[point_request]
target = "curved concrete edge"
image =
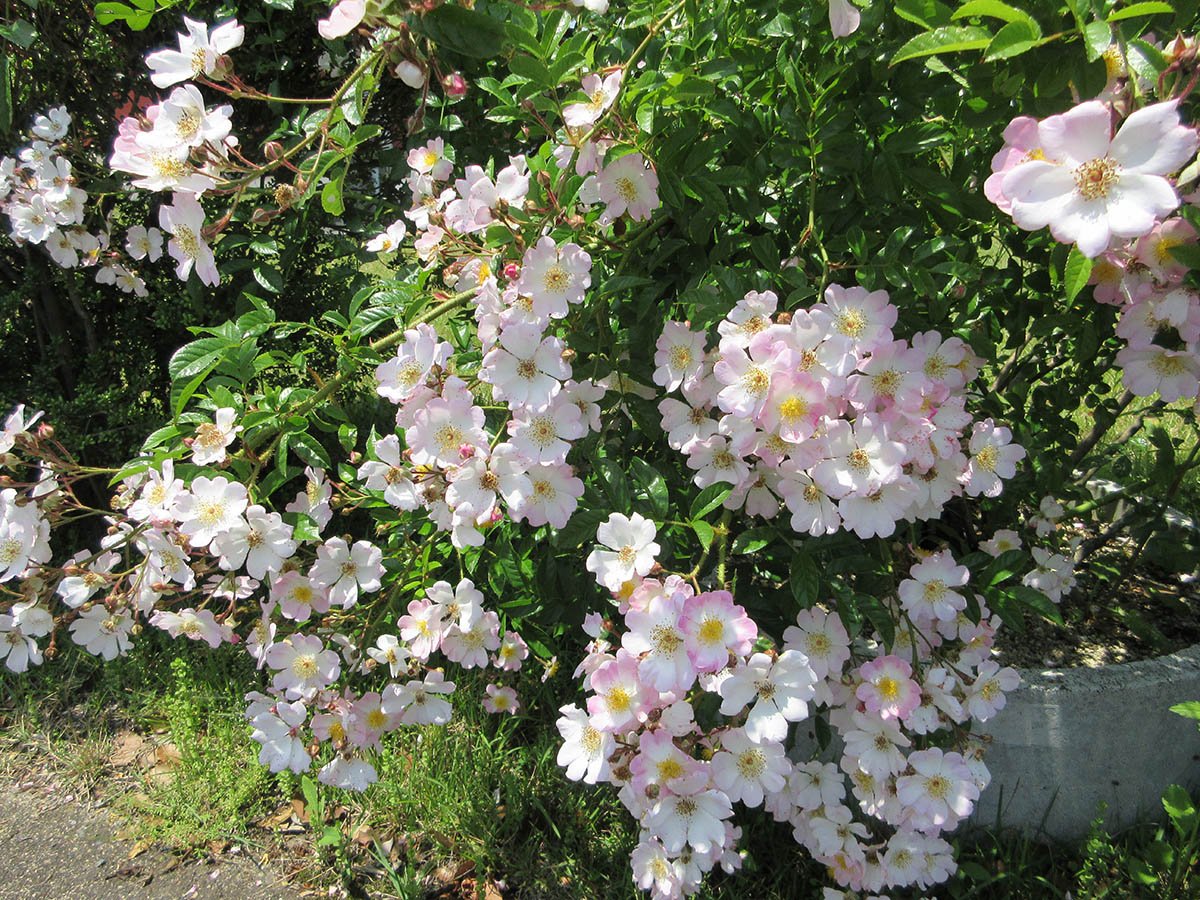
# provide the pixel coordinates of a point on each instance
(1069, 740)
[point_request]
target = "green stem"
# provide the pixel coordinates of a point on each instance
(368, 62)
(722, 536)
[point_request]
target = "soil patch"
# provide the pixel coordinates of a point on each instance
(1147, 614)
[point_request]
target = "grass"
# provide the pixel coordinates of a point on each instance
(460, 810)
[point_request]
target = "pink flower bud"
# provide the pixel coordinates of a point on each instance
(455, 85)
(512, 271)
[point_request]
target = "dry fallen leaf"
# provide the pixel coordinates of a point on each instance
(138, 849)
(127, 747)
(491, 892)
(281, 816)
(365, 835)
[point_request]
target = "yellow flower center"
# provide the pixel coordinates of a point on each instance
(1096, 177)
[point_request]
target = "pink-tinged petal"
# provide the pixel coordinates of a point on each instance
(343, 19)
(1077, 135)
(1084, 223)
(1137, 202)
(1152, 141)
(1039, 193)
(844, 18)
(1022, 133)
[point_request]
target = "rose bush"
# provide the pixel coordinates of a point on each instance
(692, 330)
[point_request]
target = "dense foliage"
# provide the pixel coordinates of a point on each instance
(457, 330)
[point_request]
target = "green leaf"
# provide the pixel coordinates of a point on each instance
(652, 486)
(948, 39)
(19, 32)
(1149, 8)
(804, 580)
(878, 615)
(331, 196)
(269, 277)
(580, 528)
(533, 69)
(160, 436)
(466, 31)
(1140, 871)
(1097, 38)
(1178, 804)
(1164, 455)
(1188, 254)
(992, 9)
(5, 94)
(752, 540)
(1012, 40)
(1189, 709)
(1036, 601)
(926, 13)
(709, 499)
(705, 533)
(1076, 273)
(196, 355)
(615, 485)
(309, 450)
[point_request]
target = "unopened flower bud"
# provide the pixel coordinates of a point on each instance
(455, 85)
(511, 271)
(272, 149)
(410, 73)
(45, 431)
(222, 69)
(466, 451)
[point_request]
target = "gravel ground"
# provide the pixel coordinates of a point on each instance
(54, 847)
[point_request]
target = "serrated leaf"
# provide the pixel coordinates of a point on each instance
(708, 500)
(309, 451)
(1076, 273)
(947, 39)
(1149, 8)
(992, 9)
(1012, 40)
(1097, 37)
(269, 277)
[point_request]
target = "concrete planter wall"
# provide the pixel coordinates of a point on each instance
(1071, 739)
